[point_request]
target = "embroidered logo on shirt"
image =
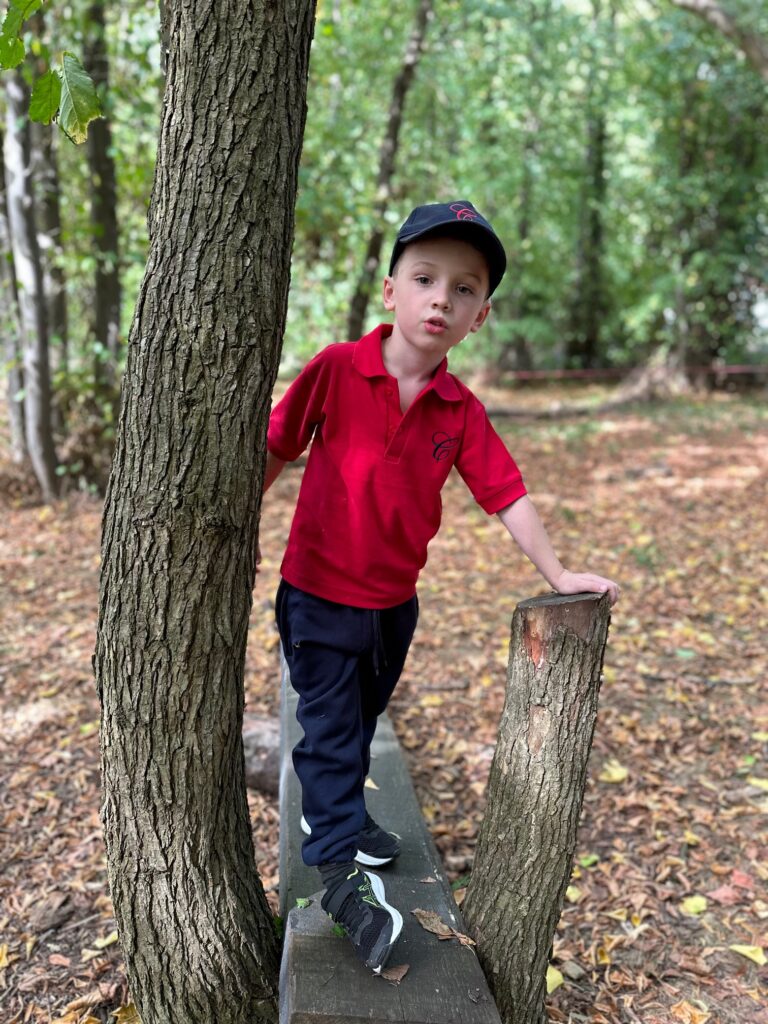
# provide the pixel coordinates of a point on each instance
(442, 445)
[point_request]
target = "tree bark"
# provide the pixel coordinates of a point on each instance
(387, 159)
(106, 314)
(753, 45)
(29, 275)
(535, 793)
(9, 325)
(182, 509)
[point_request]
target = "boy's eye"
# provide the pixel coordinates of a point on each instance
(422, 279)
(464, 289)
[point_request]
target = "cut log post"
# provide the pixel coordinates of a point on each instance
(535, 792)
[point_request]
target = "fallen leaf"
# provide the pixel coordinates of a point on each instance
(753, 953)
(127, 1015)
(694, 905)
(726, 895)
(554, 979)
(432, 922)
(370, 784)
(395, 974)
(58, 960)
(742, 880)
(109, 940)
(613, 771)
(688, 1014)
(753, 780)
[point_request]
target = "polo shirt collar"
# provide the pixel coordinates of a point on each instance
(367, 361)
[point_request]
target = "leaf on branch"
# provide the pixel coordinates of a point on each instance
(12, 49)
(45, 99)
(79, 101)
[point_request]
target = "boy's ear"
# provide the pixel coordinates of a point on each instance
(481, 317)
(389, 293)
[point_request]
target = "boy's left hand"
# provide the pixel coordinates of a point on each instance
(586, 582)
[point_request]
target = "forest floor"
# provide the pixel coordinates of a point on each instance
(667, 916)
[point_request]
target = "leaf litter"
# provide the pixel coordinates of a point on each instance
(667, 499)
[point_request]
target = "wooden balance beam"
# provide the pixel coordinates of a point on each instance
(321, 979)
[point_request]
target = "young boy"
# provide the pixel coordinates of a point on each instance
(387, 422)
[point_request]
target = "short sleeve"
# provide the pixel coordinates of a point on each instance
(485, 464)
(301, 409)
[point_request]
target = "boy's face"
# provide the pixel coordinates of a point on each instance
(438, 293)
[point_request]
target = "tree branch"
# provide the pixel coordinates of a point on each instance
(753, 45)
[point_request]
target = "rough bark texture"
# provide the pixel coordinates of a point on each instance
(387, 157)
(182, 510)
(29, 275)
(106, 314)
(535, 792)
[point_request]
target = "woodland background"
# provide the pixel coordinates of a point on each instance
(620, 151)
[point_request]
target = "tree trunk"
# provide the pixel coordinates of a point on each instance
(105, 327)
(535, 792)
(29, 275)
(49, 235)
(182, 509)
(387, 158)
(753, 45)
(589, 300)
(11, 331)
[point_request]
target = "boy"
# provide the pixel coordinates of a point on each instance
(387, 422)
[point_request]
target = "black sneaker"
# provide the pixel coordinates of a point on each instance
(359, 906)
(375, 847)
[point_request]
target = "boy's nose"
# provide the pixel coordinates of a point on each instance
(441, 298)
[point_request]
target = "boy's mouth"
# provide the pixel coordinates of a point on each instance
(435, 325)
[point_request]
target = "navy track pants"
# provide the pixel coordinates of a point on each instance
(344, 664)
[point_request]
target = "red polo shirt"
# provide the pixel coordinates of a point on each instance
(370, 498)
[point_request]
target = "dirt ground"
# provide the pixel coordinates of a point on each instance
(667, 915)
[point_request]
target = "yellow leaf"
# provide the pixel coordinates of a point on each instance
(88, 954)
(761, 737)
(613, 771)
(108, 941)
(617, 915)
(554, 979)
(691, 838)
(694, 905)
(754, 953)
(4, 955)
(370, 784)
(760, 783)
(127, 1015)
(573, 894)
(609, 674)
(688, 1014)
(602, 956)
(431, 700)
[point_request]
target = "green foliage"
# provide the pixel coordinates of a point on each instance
(79, 102)
(45, 99)
(12, 49)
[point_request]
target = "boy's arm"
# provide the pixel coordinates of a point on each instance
(522, 522)
(272, 471)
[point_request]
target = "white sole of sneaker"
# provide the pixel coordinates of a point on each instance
(397, 918)
(362, 858)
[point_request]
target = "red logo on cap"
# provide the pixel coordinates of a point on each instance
(463, 212)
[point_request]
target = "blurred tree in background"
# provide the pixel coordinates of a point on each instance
(620, 149)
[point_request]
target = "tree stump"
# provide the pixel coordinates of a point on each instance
(535, 792)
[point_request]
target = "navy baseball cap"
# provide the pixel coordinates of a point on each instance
(460, 220)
